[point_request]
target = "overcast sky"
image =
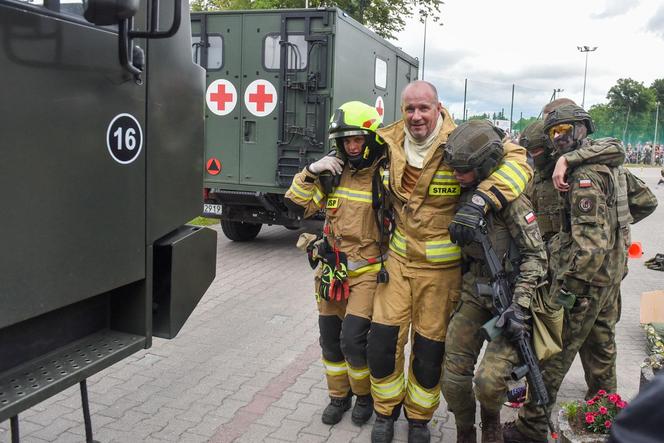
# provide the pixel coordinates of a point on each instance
(533, 44)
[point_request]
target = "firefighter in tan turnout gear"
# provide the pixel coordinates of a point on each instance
(474, 150)
(424, 264)
(349, 254)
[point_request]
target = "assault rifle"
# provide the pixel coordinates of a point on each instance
(501, 293)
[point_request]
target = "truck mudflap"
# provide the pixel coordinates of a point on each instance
(184, 265)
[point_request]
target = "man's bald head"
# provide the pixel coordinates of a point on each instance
(420, 87)
(553, 105)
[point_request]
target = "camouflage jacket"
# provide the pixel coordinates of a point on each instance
(592, 241)
(546, 199)
(514, 234)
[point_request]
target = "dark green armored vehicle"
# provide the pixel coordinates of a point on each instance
(102, 144)
(273, 79)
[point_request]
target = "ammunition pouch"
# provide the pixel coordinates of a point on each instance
(566, 299)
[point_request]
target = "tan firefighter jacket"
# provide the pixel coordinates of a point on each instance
(420, 238)
(348, 213)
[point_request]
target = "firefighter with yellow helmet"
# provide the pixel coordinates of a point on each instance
(349, 256)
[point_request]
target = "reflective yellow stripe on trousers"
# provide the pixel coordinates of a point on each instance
(421, 397)
(389, 389)
(364, 269)
(332, 368)
(441, 251)
(512, 175)
(358, 374)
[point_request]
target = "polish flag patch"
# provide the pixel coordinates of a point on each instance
(530, 217)
(585, 183)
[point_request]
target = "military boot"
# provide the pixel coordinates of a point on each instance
(418, 432)
(383, 429)
(335, 410)
(362, 410)
(491, 430)
(511, 434)
(466, 434)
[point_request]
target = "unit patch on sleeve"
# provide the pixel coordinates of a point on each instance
(530, 217)
(585, 183)
(586, 205)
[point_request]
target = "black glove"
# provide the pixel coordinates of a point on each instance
(515, 321)
(466, 221)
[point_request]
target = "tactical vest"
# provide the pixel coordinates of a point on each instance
(501, 240)
(546, 203)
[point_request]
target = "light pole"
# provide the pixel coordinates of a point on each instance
(424, 45)
(585, 49)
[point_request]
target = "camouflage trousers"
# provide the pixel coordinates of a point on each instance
(596, 309)
(598, 353)
(463, 346)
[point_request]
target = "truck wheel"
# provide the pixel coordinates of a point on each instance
(240, 231)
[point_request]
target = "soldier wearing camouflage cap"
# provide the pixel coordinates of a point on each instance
(591, 263)
(474, 150)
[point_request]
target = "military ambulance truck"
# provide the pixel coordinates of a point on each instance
(273, 79)
(101, 133)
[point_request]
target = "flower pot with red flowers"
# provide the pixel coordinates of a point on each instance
(589, 421)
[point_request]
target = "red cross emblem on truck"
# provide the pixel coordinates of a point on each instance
(221, 97)
(379, 105)
(260, 97)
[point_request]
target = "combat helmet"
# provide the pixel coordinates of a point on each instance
(357, 118)
(533, 137)
(563, 118)
(475, 145)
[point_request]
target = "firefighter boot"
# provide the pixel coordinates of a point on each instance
(491, 430)
(511, 434)
(335, 410)
(362, 410)
(383, 429)
(466, 434)
(418, 432)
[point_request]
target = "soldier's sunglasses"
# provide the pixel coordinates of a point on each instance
(561, 129)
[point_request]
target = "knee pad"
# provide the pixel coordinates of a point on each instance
(330, 331)
(382, 349)
(354, 332)
(427, 360)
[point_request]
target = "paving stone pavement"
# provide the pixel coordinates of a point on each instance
(246, 366)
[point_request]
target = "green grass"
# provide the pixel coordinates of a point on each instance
(203, 221)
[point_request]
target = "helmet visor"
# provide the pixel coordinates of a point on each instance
(348, 133)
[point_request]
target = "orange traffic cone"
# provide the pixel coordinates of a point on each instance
(635, 250)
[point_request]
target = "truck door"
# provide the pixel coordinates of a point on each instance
(259, 95)
(222, 36)
(75, 125)
(406, 73)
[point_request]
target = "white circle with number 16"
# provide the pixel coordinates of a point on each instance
(124, 138)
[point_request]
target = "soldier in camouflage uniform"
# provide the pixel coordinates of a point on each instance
(591, 261)
(473, 150)
(598, 354)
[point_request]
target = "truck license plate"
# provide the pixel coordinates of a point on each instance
(211, 209)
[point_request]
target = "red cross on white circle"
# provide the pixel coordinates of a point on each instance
(260, 97)
(379, 106)
(221, 97)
